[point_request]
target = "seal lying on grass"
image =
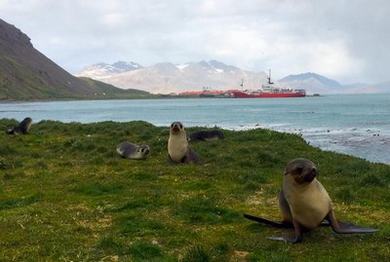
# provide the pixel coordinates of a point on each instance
(132, 151)
(22, 128)
(206, 135)
(304, 204)
(178, 149)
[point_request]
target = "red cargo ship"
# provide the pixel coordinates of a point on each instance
(268, 91)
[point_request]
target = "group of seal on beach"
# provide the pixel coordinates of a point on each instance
(304, 202)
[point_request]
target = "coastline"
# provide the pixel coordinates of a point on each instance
(166, 96)
(357, 125)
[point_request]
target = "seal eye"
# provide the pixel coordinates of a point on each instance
(299, 170)
(172, 125)
(181, 126)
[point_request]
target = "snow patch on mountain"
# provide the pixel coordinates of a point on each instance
(182, 66)
(103, 70)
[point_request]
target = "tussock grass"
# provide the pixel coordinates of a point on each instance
(65, 194)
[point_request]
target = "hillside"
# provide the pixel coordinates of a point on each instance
(66, 195)
(26, 74)
(168, 77)
(313, 83)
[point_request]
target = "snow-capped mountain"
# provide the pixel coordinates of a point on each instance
(103, 70)
(166, 78)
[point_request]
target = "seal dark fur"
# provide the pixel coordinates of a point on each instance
(22, 128)
(206, 135)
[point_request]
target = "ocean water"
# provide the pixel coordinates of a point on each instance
(353, 124)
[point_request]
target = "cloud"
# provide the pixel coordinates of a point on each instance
(346, 40)
(113, 19)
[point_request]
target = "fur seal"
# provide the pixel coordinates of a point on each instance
(132, 151)
(22, 128)
(178, 149)
(206, 135)
(305, 204)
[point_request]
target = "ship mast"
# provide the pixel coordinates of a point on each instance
(269, 77)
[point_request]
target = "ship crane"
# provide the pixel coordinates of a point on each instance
(269, 77)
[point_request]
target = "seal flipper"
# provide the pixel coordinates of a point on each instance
(298, 235)
(347, 228)
(268, 222)
(282, 224)
(190, 157)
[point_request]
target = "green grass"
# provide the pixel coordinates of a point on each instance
(66, 195)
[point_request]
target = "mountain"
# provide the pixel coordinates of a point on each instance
(104, 70)
(25, 73)
(312, 83)
(383, 87)
(315, 83)
(168, 77)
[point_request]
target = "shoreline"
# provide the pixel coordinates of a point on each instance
(357, 125)
(168, 97)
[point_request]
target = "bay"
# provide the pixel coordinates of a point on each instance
(358, 125)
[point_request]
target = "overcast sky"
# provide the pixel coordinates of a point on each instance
(345, 40)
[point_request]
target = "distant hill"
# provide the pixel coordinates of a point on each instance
(382, 87)
(25, 74)
(168, 77)
(313, 83)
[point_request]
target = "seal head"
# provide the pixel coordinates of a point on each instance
(302, 170)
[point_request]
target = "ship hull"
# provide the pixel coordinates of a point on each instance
(267, 95)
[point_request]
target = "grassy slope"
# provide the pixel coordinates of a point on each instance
(114, 92)
(18, 82)
(65, 194)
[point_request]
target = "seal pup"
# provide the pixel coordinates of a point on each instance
(305, 203)
(206, 135)
(22, 128)
(178, 149)
(132, 151)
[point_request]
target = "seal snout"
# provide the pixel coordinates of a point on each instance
(310, 175)
(176, 127)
